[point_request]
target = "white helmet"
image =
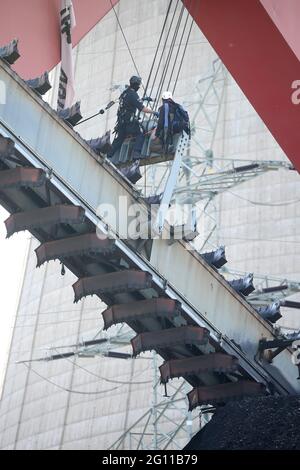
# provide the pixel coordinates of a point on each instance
(167, 95)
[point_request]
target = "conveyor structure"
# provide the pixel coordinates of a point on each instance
(54, 185)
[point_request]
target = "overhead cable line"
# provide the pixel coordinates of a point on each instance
(168, 59)
(183, 55)
(269, 204)
(100, 392)
(178, 50)
(269, 240)
(164, 46)
(157, 48)
(162, 52)
(51, 312)
(125, 39)
(106, 379)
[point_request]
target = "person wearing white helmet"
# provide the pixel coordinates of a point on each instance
(167, 95)
(173, 119)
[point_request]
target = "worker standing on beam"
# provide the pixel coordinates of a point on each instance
(127, 122)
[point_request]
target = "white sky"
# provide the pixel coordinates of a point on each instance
(13, 253)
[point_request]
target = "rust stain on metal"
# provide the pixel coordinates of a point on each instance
(44, 217)
(215, 362)
(161, 308)
(214, 394)
(22, 177)
(170, 337)
(112, 283)
(87, 244)
(7, 146)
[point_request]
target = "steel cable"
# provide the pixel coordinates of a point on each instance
(183, 55)
(157, 48)
(178, 50)
(168, 59)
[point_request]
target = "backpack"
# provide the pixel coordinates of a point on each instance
(181, 120)
(174, 121)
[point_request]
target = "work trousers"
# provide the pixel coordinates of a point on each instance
(124, 131)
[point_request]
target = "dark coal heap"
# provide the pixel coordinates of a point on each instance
(253, 423)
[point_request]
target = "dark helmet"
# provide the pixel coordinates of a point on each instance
(135, 82)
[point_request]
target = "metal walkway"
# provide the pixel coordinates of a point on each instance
(53, 184)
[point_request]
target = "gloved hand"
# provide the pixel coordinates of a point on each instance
(156, 114)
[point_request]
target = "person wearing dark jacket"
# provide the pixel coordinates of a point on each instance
(127, 122)
(172, 119)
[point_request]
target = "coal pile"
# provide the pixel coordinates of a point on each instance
(253, 423)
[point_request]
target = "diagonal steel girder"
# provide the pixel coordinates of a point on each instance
(261, 56)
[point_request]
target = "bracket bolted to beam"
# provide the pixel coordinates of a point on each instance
(40, 84)
(168, 192)
(10, 52)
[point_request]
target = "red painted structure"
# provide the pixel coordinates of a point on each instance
(258, 40)
(259, 57)
(286, 16)
(36, 24)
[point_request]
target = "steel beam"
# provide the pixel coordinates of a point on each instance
(206, 298)
(222, 393)
(87, 244)
(22, 177)
(170, 185)
(259, 58)
(216, 362)
(112, 283)
(156, 307)
(168, 338)
(44, 217)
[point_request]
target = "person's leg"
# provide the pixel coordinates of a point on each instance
(117, 143)
(138, 145)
